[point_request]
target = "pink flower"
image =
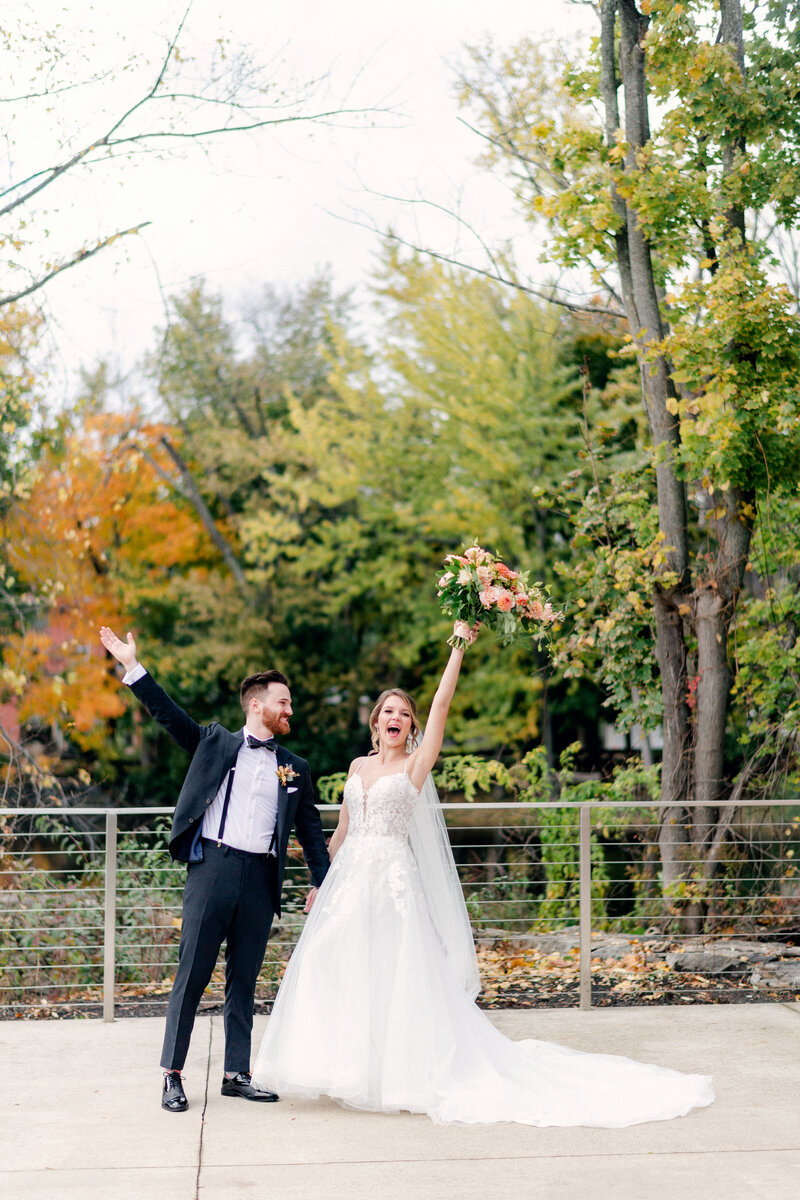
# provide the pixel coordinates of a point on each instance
(448, 575)
(485, 575)
(465, 575)
(505, 572)
(490, 596)
(475, 554)
(505, 599)
(535, 609)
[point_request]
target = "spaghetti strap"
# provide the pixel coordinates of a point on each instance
(358, 768)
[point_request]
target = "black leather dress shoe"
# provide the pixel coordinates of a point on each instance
(240, 1085)
(173, 1097)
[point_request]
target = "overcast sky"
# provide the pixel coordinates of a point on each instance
(277, 206)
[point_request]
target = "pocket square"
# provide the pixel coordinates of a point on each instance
(291, 789)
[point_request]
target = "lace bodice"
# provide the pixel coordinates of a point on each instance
(385, 810)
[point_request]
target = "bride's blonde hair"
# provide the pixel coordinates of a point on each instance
(413, 736)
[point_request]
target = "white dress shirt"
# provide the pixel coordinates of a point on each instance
(253, 806)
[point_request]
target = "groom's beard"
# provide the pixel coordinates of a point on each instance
(277, 726)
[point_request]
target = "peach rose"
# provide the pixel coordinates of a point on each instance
(489, 596)
(505, 599)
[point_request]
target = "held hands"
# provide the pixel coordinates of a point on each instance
(462, 630)
(310, 898)
(124, 652)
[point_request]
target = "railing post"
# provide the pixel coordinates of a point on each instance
(585, 902)
(110, 917)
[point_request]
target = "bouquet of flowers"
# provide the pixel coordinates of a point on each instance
(478, 588)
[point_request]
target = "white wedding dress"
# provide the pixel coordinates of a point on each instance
(370, 1014)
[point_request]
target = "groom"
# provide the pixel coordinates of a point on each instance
(239, 800)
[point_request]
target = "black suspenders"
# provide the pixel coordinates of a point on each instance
(274, 841)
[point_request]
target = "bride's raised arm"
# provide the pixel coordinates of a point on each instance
(423, 759)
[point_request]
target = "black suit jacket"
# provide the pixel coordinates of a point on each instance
(214, 750)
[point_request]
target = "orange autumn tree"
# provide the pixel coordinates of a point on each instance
(99, 533)
(18, 336)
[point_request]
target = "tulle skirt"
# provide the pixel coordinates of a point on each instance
(369, 1015)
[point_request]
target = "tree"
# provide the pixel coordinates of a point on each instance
(92, 536)
(18, 452)
(293, 507)
(183, 101)
(661, 203)
(346, 476)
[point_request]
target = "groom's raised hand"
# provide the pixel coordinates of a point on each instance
(124, 652)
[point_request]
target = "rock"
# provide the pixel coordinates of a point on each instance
(759, 952)
(768, 964)
(777, 974)
(553, 943)
(610, 948)
(731, 957)
(545, 943)
(717, 960)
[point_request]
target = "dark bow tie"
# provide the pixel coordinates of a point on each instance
(255, 744)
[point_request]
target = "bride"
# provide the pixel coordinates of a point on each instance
(376, 1009)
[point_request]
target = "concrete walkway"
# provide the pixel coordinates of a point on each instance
(80, 1120)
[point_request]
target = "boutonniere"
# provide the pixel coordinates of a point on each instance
(286, 775)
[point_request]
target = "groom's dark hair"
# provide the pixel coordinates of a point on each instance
(254, 684)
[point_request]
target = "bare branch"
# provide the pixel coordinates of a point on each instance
(249, 128)
(203, 512)
(548, 294)
(80, 257)
(442, 208)
(59, 91)
(221, 94)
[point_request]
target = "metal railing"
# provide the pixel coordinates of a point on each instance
(90, 901)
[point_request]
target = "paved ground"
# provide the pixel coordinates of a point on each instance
(80, 1120)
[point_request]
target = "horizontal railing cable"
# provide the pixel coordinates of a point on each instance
(90, 919)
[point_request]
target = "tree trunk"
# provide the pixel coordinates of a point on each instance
(693, 765)
(640, 296)
(203, 512)
(731, 34)
(716, 595)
